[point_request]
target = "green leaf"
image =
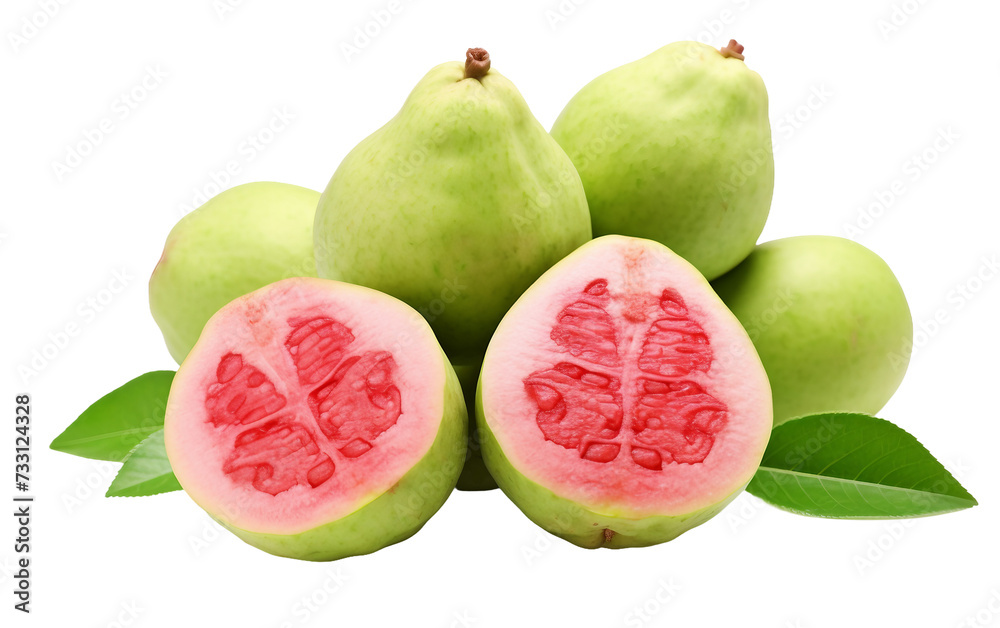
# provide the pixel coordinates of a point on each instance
(118, 421)
(146, 471)
(854, 466)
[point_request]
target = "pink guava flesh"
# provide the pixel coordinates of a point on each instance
(620, 382)
(672, 418)
(300, 404)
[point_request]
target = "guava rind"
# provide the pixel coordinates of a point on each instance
(393, 516)
(676, 147)
(240, 240)
(829, 320)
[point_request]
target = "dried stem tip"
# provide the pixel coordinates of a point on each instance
(733, 49)
(477, 63)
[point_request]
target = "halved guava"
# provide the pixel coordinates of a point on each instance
(620, 402)
(317, 420)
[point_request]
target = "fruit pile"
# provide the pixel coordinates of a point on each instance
(444, 315)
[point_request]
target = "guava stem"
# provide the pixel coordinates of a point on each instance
(733, 49)
(477, 63)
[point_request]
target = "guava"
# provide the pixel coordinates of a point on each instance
(240, 240)
(475, 476)
(829, 320)
(454, 206)
(676, 147)
(317, 420)
(620, 403)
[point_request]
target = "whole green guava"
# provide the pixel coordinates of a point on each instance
(676, 147)
(829, 321)
(454, 206)
(240, 240)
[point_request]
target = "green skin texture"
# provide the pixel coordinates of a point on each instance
(573, 522)
(475, 476)
(676, 147)
(829, 320)
(393, 516)
(240, 240)
(455, 206)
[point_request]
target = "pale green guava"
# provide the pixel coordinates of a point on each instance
(676, 147)
(829, 321)
(240, 240)
(454, 206)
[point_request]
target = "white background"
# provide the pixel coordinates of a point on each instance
(888, 93)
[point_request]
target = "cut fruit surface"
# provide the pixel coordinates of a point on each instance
(620, 387)
(306, 401)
